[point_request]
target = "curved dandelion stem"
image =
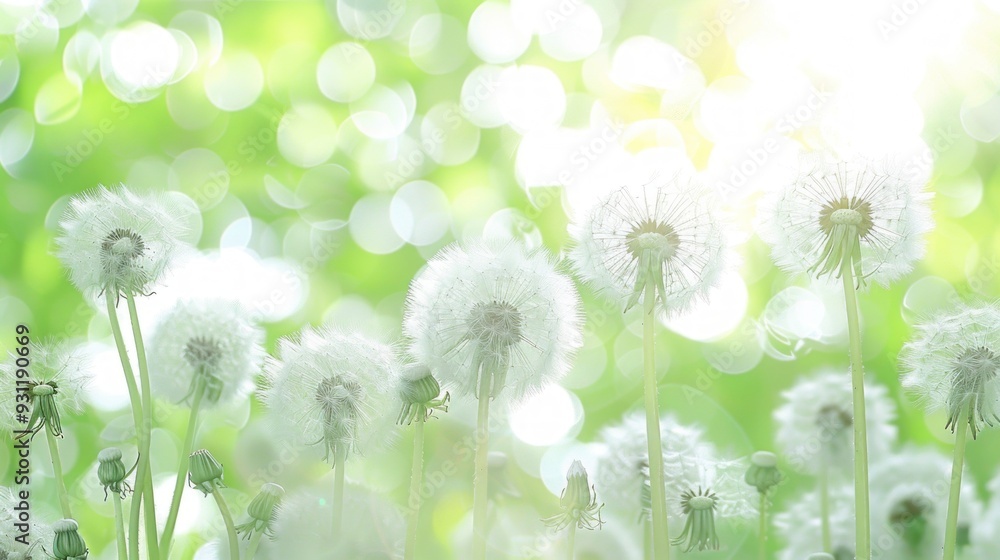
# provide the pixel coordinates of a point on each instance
(227, 518)
(824, 508)
(57, 471)
(149, 507)
(480, 507)
(861, 506)
(661, 544)
(571, 541)
(958, 463)
(416, 479)
(119, 526)
(762, 536)
(340, 459)
(182, 470)
(254, 543)
(133, 395)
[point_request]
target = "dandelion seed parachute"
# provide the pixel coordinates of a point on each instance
(61, 365)
(496, 305)
(114, 240)
(214, 342)
(664, 232)
(333, 389)
(871, 212)
(816, 418)
(952, 363)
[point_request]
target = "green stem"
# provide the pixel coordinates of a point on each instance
(120, 526)
(182, 470)
(861, 506)
(254, 543)
(958, 463)
(57, 471)
(416, 479)
(227, 518)
(824, 508)
(133, 395)
(571, 541)
(647, 539)
(340, 460)
(149, 507)
(480, 505)
(654, 442)
(763, 527)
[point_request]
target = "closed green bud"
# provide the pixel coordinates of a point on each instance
(578, 502)
(421, 390)
(578, 493)
(261, 508)
(763, 473)
(420, 395)
(206, 473)
(68, 544)
(111, 471)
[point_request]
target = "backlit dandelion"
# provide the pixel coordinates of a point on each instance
(494, 320)
(333, 389)
(952, 363)
(115, 241)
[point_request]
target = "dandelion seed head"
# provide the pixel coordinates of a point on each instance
(663, 233)
(498, 307)
(816, 419)
(952, 362)
(332, 389)
(214, 342)
(798, 525)
(871, 214)
(114, 240)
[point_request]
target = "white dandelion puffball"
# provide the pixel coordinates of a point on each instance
(61, 365)
(910, 504)
(663, 233)
(213, 342)
(374, 528)
(952, 363)
(496, 308)
(117, 241)
(816, 422)
(332, 388)
(41, 533)
(872, 215)
(799, 525)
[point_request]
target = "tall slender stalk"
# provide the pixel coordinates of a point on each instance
(647, 539)
(824, 508)
(182, 470)
(119, 526)
(57, 471)
(137, 416)
(254, 543)
(227, 518)
(958, 463)
(654, 443)
(571, 541)
(762, 549)
(338, 491)
(480, 506)
(149, 507)
(416, 479)
(861, 505)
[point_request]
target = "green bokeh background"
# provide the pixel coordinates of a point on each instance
(34, 288)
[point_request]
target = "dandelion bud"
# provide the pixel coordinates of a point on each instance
(262, 508)
(111, 471)
(59, 374)
(206, 473)
(68, 544)
(699, 528)
(763, 473)
(422, 390)
(420, 394)
(578, 502)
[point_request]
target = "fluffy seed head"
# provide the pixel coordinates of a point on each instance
(495, 307)
(815, 422)
(952, 363)
(213, 342)
(114, 240)
(662, 233)
(58, 374)
(334, 389)
(871, 215)
(798, 524)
